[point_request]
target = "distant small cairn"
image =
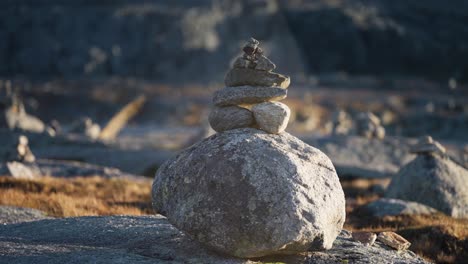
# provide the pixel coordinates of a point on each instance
(427, 146)
(252, 94)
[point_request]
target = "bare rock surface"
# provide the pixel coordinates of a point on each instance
(385, 206)
(247, 95)
(246, 76)
(247, 193)
(271, 117)
(355, 156)
(13, 214)
(230, 117)
(433, 180)
(152, 239)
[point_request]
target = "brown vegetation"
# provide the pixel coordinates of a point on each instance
(78, 196)
(437, 237)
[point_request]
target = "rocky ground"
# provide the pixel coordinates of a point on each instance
(175, 117)
(436, 237)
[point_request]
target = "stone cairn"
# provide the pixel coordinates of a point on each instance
(253, 190)
(250, 98)
(427, 146)
(369, 126)
(21, 151)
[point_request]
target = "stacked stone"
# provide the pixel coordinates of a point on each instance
(252, 94)
(432, 179)
(427, 146)
(248, 192)
(21, 151)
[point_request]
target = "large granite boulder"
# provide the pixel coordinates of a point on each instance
(247, 193)
(152, 239)
(433, 180)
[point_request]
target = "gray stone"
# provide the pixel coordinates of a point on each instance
(20, 151)
(243, 76)
(242, 62)
(248, 194)
(23, 170)
(264, 64)
(247, 95)
(152, 239)
(394, 240)
(435, 181)
(366, 238)
(230, 117)
(87, 127)
(355, 156)
(271, 117)
(392, 207)
(13, 215)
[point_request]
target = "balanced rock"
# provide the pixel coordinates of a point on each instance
(272, 117)
(230, 117)
(433, 180)
(247, 193)
(247, 95)
(20, 151)
(427, 145)
(247, 76)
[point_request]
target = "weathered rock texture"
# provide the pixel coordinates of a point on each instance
(151, 239)
(433, 180)
(247, 95)
(248, 193)
(242, 76)
(230, 117)
(272, 117)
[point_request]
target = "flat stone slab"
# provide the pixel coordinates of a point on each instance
(245, 76)
(247, 95)
(151, 239)
(14, 214)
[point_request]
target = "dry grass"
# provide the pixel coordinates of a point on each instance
(78, 196)
(437, 237)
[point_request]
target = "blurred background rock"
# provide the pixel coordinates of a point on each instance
(193, 41)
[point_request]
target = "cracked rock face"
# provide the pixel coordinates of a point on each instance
(247, 193)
